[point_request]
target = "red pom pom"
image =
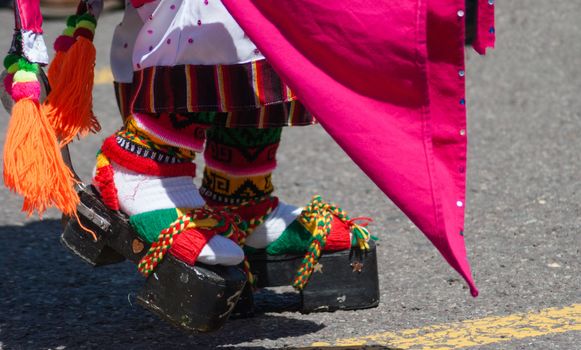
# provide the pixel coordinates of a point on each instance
(63, 43)
(84, 32)
(8, 83)
(26, 90)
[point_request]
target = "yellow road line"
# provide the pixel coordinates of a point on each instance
(103, 76)
(469, 333)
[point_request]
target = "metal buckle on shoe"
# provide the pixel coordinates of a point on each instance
(95, 218)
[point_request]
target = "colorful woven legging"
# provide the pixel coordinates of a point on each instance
(239, 164)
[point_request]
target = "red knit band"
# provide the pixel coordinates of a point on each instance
(143, 165)
(248, 212)
(104, 180)
(188, 245)
(340, 236)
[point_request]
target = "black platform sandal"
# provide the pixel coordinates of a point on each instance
(196, 298)
(325, 281)
(344, 280)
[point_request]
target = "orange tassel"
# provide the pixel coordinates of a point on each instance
(69, 106)
(33, 164)
(55, 68)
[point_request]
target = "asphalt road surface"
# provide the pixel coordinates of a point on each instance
(523, 228)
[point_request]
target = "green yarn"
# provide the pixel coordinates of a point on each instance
(149, 225)
(10, 59)
(86, 17)
(24, 65)
(295, 239)
(12, 69)
(69, 31)
(72, 21)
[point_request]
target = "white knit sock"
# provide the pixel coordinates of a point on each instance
(138, 193)
(278, 220)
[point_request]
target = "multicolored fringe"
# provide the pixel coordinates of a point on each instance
(317, 218)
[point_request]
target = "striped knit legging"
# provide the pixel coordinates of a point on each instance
(239, 164)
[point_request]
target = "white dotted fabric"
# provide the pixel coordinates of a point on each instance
(175, 32)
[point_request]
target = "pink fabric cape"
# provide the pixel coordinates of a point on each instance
(386, 80)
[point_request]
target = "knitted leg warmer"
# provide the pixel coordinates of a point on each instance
(239, 165)
(146, 170)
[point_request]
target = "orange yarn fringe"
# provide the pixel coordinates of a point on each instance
(55, 68)
(33, 164)
(69, 106)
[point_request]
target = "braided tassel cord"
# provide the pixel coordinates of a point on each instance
(314, 253)
(247, 227)
(318, 217)
(216, 221)
(159, 248)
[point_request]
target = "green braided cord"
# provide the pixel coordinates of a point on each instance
(362, 236)
(157, 250)
(322, 213)
(226, 226)
(248, 226)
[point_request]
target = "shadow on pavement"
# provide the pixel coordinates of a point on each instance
(359, 347)
(51, 299)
